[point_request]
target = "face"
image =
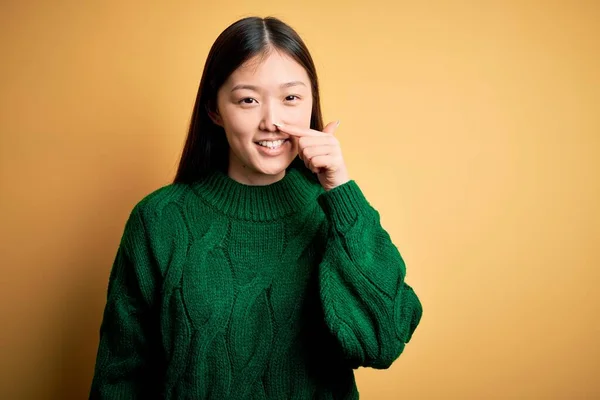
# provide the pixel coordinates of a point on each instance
(260, 93)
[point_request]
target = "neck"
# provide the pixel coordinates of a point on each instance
(292, 193)
(248, 176)
(252, 178)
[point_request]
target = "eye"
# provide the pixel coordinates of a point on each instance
(246, 100)
(292, 97)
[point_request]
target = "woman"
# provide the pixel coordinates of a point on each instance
(261, 272)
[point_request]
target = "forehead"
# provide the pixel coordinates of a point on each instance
(271, 69)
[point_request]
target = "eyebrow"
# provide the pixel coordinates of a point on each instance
(255, 88)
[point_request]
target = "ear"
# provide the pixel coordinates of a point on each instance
(215, 117)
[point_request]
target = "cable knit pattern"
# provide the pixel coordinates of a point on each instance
(221, 290)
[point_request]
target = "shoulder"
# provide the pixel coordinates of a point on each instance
(155, 202)
(152, 207)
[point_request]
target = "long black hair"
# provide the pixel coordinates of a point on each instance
(206, 147)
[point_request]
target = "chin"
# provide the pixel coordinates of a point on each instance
(272, 171)
(275, 169)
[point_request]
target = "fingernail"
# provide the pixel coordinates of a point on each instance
(277, 124)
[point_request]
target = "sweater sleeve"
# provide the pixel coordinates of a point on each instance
(368, 307)
(127, 351)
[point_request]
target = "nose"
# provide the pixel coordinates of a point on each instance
(268, 117)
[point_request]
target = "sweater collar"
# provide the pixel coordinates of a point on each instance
(287, 196)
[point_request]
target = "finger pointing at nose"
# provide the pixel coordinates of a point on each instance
(299, 132)
(320, 152)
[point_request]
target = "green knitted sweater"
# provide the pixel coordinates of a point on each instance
(221, 290)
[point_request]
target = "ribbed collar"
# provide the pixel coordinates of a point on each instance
(287, 196)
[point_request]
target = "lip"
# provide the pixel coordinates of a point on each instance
(272, 139)
(273, 152)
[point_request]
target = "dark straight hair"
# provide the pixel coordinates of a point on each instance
(206, 147)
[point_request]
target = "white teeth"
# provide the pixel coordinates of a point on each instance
(272, 144)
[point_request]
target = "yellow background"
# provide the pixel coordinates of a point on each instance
(473, 127)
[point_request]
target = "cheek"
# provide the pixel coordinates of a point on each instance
(238, 126)
(299, 115)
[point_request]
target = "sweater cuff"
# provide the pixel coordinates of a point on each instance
(344, 203)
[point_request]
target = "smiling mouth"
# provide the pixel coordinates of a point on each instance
(272, 144)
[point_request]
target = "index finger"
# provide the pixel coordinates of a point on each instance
(298, 131)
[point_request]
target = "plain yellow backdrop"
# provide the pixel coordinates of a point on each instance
(472, 126)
